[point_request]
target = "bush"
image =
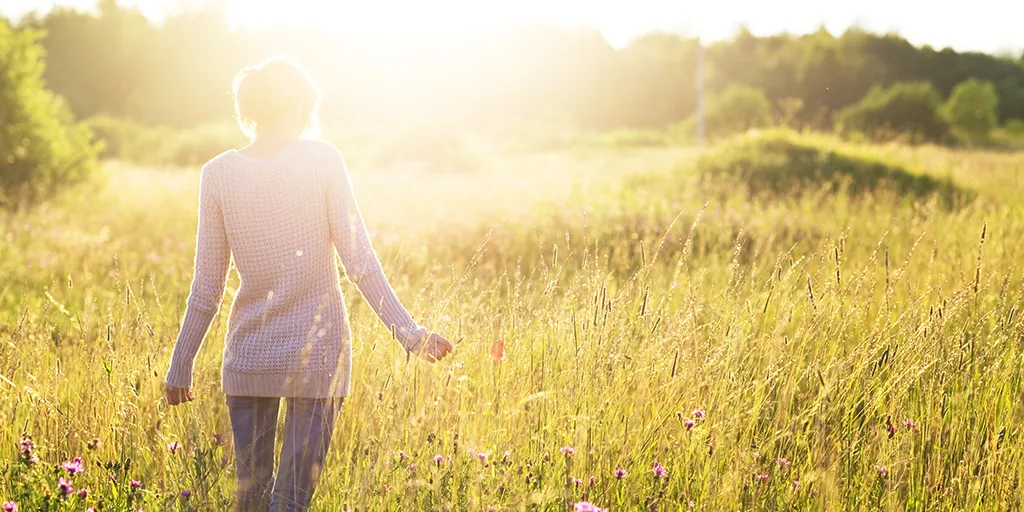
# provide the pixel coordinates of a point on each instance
(133, 142)
(971, 110)
(909, 109)
(42, 149)
(784, 162)
(737, 109)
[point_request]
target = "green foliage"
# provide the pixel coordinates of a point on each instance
(121, 64)
(783, 163)
(908, 110)
(41, 148)
(972, 110)
(134, 142)
(737, 109)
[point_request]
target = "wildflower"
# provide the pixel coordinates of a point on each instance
(698, 413)
(505, 456)
(620, 473)
(689, 424)
(890, 427)
(94, 444)
(10, 506)
(173, 447)
(782, 461)
(64, 486)
(763, 478)
(796, 484)
(402, 455)
(135, 485)
(482, 456)
(83, 493)
(912, 425)
(90, 509)
(592, 480)
(575, 481)
(28, 455)
(73, 466)
(219, 439)
(438, 459)
(186, 493)
(568, 451)
(660, 471)
(586, 506)
(883, 471)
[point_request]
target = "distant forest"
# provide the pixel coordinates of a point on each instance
(179, 72)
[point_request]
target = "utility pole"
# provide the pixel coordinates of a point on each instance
(700, 92)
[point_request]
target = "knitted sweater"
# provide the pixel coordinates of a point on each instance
(281, 220)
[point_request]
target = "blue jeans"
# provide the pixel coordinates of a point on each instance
(308, 427)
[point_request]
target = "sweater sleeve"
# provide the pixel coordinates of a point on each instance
(358, 257)
(212, 260)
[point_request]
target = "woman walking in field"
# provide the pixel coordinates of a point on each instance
(280, 207)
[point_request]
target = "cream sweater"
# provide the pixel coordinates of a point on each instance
(281, 220)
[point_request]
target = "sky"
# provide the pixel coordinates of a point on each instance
(979, 25)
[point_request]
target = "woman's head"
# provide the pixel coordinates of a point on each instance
(276, 96)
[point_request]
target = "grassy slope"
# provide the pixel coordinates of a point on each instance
(798, 323)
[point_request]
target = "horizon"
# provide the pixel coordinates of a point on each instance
(720, 21)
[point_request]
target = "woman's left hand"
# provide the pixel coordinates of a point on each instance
(177, 395)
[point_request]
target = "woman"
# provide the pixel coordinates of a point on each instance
(280, 207)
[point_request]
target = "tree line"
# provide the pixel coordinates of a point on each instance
(178, 73)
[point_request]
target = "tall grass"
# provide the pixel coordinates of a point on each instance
(847, 351)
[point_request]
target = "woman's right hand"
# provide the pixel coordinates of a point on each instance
(432, 347)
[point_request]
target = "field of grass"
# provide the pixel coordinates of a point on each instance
(814, 347)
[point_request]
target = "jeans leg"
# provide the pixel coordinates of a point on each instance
(254, 428)
(308, 427)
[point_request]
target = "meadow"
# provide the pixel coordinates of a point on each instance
(681, 329)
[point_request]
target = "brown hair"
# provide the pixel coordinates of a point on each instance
(271, 92)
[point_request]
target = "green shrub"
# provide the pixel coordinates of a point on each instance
(42, 149)
(737, 109)
(971, 110)
(784, 162)
(906, 110)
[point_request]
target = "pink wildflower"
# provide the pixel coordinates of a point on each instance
(64, 486)
(567, 451)
(575, 481)
(10, 506)
(883, 471)
(219, 439)
(173, 447)
(660, 471)
(438, 459)
(689, 424)
(73, 466)
(92, 445)
(482, 456)
(782, 461)
(186, 493)
(763, 478)
(83, 493)
(586, 506)
(620, 473)
(912, 425)
(698, 413)
(135, 484)
(592, 480)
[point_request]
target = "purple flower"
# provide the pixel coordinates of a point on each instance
(438, 459)
(186, 493)
(135, 484)
(689, 424)
(219, 439)
(10, 506)
(83, 493)
(883, 471)
(173, 447)
(620, 473)
(659, 471)
(482, 456)
(575, 481)
(27, 455)
(592, 480)
(912, 425)
(782, 461)
(568, 451)
(92, 445)
(402, 455)
(763, 478)
(586, 506)
(698, 413)
(73, 466)
(64, 486)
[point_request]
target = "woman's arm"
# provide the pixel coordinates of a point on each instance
(358, 257)
(213, 256)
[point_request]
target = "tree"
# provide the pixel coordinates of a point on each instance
(737, 109)
(971, 109)
(41, 148)
(909, 109)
